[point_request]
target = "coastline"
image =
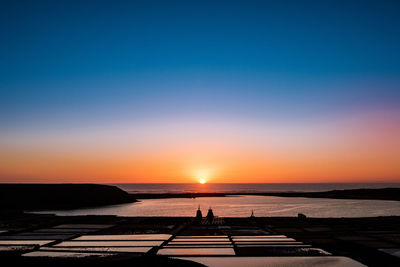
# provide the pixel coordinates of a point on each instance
(18, 197)
(366, 194)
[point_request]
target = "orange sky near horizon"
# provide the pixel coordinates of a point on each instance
(361, 149)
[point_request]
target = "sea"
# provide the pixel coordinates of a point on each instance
(244, 205)
(245, 187)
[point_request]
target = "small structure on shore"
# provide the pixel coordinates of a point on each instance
(210, 215)
(301, 216)
(252, 214)
(210, 219)
(199, 215)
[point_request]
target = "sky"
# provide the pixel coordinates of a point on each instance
(179, 91)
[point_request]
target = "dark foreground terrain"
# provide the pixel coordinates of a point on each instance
(367, 240)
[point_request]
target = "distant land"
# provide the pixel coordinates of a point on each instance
(373, 194)
(60, 196)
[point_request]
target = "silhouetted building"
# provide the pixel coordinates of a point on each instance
(210, 215)
(199, 215)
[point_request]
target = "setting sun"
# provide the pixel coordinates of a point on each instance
(202, 175)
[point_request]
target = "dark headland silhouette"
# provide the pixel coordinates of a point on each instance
(60, 196)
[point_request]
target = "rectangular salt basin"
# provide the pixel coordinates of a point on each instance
(258, 236)
(199, 243)
(86, 226)
(200, 240)
(273, 246)
(63, 254)
(36, 237)
(196, 251)
(125, 237)
(16, 248)
(25, 242)
(263, 239)
(291, 251)
(109, 243)
(65, 230)
(198, 246)
(101, 249)
(201, 236)
(269, 243)
(274, 261)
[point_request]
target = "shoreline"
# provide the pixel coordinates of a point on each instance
(31, 197)
(363, 194)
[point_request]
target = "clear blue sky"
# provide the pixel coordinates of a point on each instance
(83, 58)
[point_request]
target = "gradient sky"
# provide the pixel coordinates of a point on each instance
(177, 91)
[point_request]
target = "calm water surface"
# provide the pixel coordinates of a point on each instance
(241, 206)
(246, 188)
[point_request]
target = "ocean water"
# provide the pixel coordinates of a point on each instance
(247, 188)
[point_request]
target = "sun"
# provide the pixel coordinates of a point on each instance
(202, 175)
